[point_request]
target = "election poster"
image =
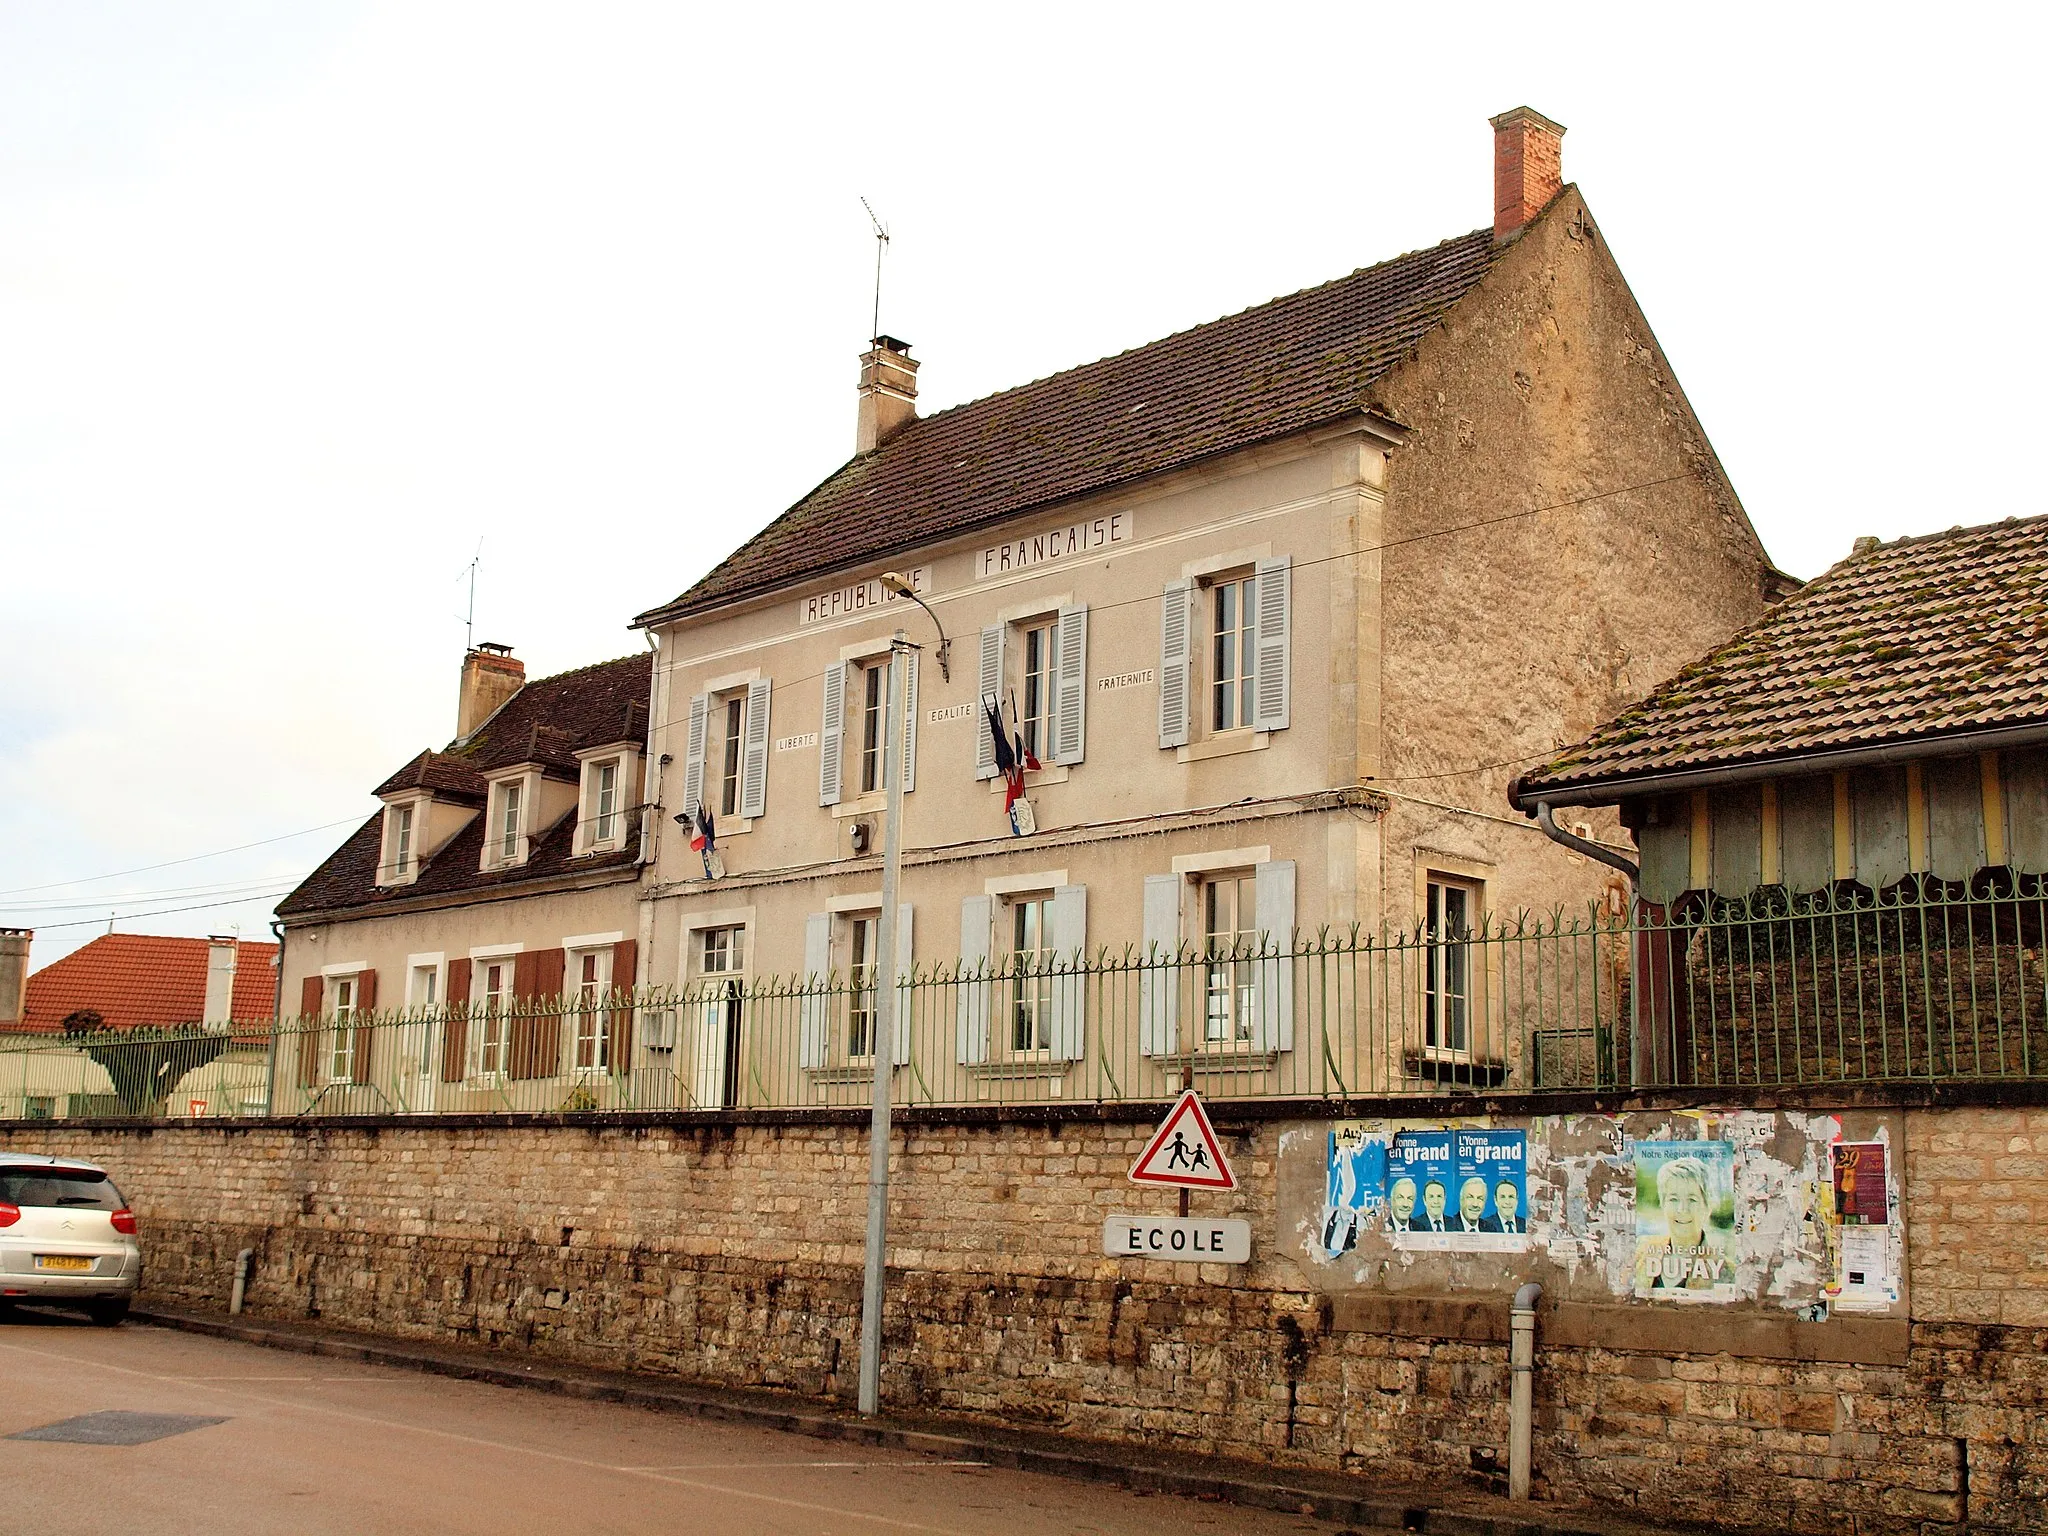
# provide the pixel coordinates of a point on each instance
(1421, 1167)
(1356, 1189)
(1685, 1220)
(1492, 1170)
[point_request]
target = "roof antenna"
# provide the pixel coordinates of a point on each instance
(881, 240)
(469, 618)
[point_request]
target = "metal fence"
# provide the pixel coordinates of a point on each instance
(1922, 982)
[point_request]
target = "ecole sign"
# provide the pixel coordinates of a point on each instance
(1189, 1239)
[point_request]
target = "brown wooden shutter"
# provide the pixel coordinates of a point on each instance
(525, 1052)
(548, 968)
(625, 957)
(455, 1027)
(366, 1031)
(312, 994)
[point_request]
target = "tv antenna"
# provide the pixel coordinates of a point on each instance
(469, 618)
(881, 240)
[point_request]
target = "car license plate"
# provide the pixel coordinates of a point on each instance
(65, 1262)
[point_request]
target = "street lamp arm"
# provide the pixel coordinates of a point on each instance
(898, 583)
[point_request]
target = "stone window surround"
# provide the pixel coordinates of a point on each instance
(626, 754)
(528, 777)
(420, 803)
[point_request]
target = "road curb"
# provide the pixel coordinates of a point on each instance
(1090, 1463)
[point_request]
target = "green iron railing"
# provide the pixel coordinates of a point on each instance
(1923, 982)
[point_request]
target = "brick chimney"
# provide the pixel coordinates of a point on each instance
(221, 952)
(13, 975)
(490, 676)
(888, 393)
(1528, 168)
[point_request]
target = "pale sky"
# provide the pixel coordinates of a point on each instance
(299, 302)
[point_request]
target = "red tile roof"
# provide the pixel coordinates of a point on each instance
(1915, 640)
(132, 979)
(1278, 368)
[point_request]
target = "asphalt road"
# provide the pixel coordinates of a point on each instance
(312, 1445)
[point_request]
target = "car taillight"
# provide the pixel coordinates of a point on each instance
(124, 1221)
(9, 1213)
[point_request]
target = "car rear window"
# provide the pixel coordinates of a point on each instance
(74, 1188)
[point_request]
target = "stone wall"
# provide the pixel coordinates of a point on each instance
(729, 1253)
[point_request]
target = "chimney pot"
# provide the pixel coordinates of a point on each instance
(888, 393)
(491, 674)
(1528, 168)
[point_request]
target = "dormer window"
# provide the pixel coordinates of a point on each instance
(405, 830)
(506, 827)
(605, 816)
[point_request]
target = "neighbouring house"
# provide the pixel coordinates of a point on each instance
(145, 985)
(501, 870)
(1275, 605)
(1842, 818)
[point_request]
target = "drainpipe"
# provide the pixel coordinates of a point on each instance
(241, 1281)
(1579, 844)
(1521, 1398)
(276, 1021)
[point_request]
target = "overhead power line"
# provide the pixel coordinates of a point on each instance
(122, 917)
(141, 869)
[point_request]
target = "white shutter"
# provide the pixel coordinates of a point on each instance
(815, 1035)
(1273, 900)
(832, 734)
(1272, 689)
(1176, 626)
(990, 690)
(754, 752)
(1070, 695)
(1070, 972)
(693, 753)
(909, 769)
(977, 923)
(899, 1043)
(1159, 981)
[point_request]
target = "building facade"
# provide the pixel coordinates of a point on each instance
(1275, 607)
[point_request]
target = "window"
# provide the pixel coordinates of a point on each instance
(341, 1055)
(1233, 667)
(874, 680)
(721, 960)
(1040, 654)
(494, 1031)
(507, 833)
(1031, 952)
(865, 931)
(401, 841)
(1447, 975)
(424, 988)
(607, 801)
(728, 799)
(589, 980)
(1229, 909)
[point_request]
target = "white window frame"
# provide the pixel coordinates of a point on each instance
(389, 870)
(338, 999)
(482, 1033)
(624, 757)
(1035, 974)
(527, 783)
(1443, 1040)
(849, 923)
(589, 1011)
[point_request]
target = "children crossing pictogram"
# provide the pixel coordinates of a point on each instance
(1184, 1152)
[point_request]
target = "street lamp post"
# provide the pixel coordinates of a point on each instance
(884, 1041)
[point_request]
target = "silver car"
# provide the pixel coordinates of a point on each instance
(66, 1237)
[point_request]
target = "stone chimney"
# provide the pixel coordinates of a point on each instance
(1528, 168)
(13, 975)
(221, 950)
(490, 676)
(888, 393)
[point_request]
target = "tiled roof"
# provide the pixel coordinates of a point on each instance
(548, 721)
(1284, 366)
(1920, 638)
(132, 979)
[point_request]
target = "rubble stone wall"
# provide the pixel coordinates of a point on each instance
(730, 1254)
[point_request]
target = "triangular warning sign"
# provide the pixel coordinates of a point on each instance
(1185, 1151)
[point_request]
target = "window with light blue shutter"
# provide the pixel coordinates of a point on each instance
(1176, 671)
(754, 753)
(1070, 976)
(693, 754)
(976, 989)
(1273, 688)
(832, 735)
(814, 1034)
(1070, 694)
(1273, 887)
(1159, 982)
(989, 691)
